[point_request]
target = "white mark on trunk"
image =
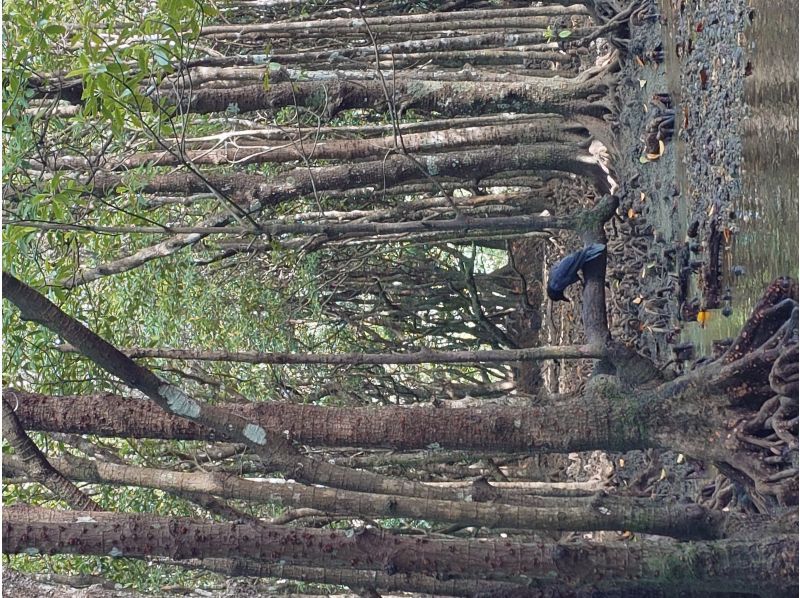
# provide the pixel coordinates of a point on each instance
(179, 402)
(255, 434)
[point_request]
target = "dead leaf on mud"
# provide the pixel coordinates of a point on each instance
(655, 156)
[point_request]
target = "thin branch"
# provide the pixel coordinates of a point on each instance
(38, 467)
(419, 357)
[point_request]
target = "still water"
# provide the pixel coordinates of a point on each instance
(766, 243)
(768, 237)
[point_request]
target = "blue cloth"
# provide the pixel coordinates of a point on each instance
(565, 272)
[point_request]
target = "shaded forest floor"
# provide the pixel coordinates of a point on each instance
(681, 80)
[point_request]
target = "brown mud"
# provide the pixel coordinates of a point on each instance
(677, 207)
(677, 155)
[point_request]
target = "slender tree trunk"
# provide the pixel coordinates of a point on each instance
(549, 129)
(486, 509)
(254, 193)
(419, 357)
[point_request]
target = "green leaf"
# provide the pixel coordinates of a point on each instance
(78, 72)
(54, 29)
(160, 56)
(564, 33)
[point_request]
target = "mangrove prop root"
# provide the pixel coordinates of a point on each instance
(756, 330)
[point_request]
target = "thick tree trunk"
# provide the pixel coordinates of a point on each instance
(569, 426)
(767, 564)
(691, 414)
(568, 97)
(394, 169)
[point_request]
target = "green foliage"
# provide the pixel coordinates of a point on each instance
(134, 574)
(109, 58)
(554, 34)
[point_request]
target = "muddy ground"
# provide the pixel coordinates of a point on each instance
(677, 157)
(677, 209)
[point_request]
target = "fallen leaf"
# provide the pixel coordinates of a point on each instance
(661, 147)
(680, 458)
(638, 300)
(643, 159)
(642, 83)
(726, 234)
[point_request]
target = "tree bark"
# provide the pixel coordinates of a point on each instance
(254, 193)
(274, 448)
(547, 129)
(422, 356)
(594, 513)
(34, 463)
(569, 426)
(567, 97)
(768, 564)
(443, 20)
